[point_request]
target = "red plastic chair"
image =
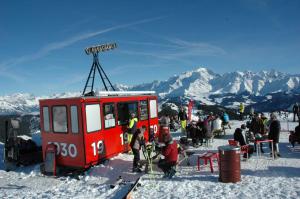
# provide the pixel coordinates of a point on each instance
(233, 143)
(208, 156)
(244, 149)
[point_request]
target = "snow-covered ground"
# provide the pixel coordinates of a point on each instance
(261, 178)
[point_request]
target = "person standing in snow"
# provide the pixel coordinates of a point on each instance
(241, 111)
(182, 116)
(274, 134)
(225, 120)
(132, 126)
(295, 136)
(296, 111)
(136, 143)
(194, 133)
(170, 153)
(208, 126)
(217, 125)
(265, 121)
(258, 129)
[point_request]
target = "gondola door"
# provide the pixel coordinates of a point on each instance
(144, 117)
(94, 138)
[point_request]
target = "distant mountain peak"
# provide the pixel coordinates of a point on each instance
(198, 84)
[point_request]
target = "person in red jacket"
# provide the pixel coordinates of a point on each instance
(170, 152)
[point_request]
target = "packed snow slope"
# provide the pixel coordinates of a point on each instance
(260, 178)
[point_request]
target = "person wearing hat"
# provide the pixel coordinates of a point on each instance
(170, 153)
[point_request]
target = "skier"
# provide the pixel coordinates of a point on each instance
(136, 143)
(241, 111)
(170, 153)
(274, 134)
(296, 111)
(182, 116)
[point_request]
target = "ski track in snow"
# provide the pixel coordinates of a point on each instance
(261, 178)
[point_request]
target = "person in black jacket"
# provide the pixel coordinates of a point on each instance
(258, 129)
(274, 132)
(296, 111)
(295, 135)
(239, 137)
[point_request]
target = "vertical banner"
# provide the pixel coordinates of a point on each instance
(190, 108)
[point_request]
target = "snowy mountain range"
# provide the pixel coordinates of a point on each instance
(203, 81)
(24, 103)
(201, 84)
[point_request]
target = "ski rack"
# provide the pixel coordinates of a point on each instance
(124, 93)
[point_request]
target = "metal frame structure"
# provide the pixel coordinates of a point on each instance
(96, 66)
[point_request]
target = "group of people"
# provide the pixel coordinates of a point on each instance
(168, 149)
(205, 128)
(260, 128)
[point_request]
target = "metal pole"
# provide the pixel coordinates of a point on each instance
(97, 65)
(87, 81)
(106, 77)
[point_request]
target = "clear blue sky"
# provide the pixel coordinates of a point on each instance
(42, 42)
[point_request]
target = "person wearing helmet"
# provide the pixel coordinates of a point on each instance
(170, 153)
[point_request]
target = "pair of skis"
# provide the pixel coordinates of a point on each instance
(147, 152)
(133, 187)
